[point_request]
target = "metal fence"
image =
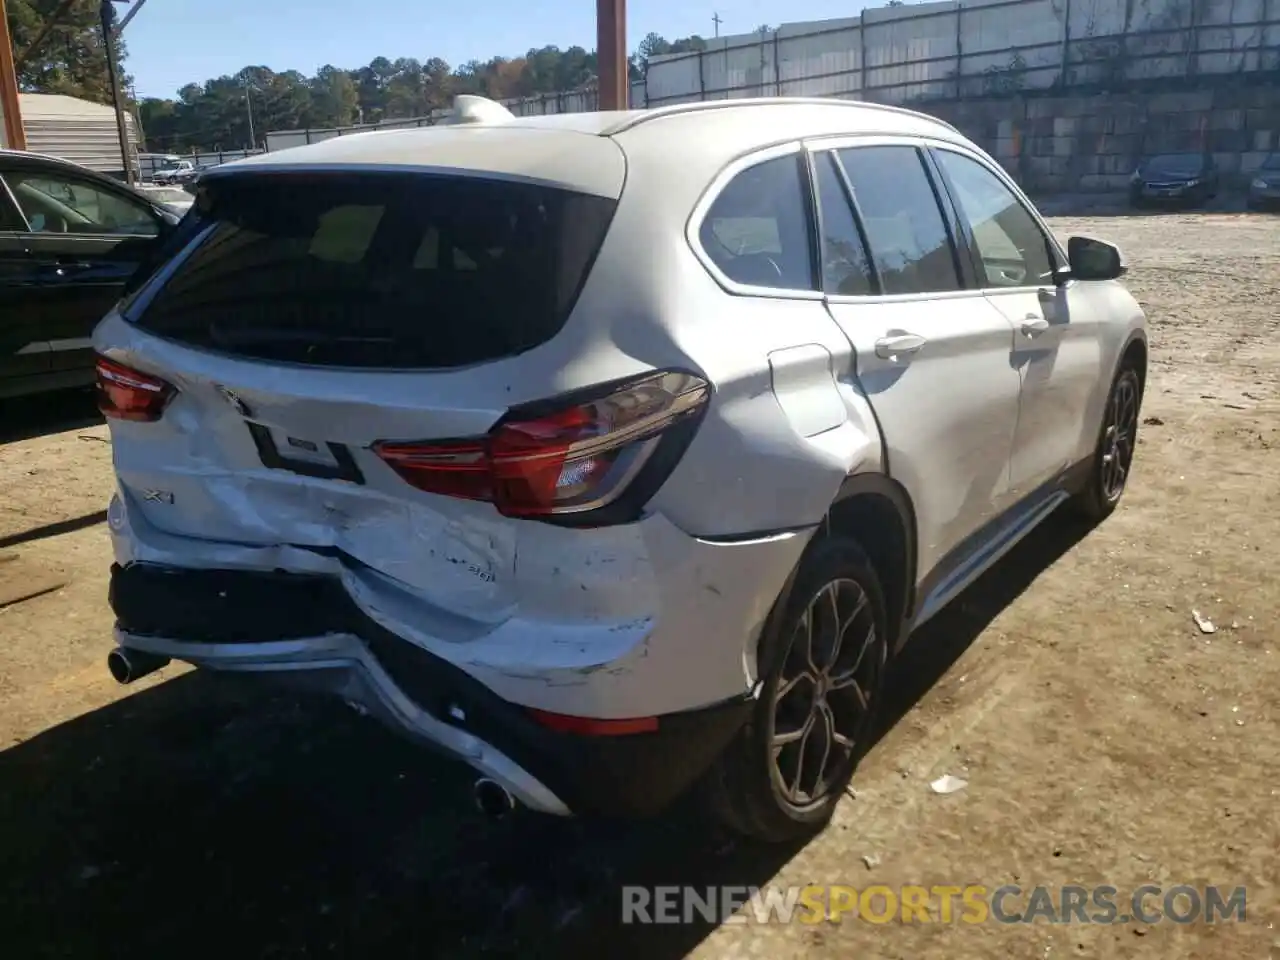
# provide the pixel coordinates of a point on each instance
(974, 48)
(951, 49)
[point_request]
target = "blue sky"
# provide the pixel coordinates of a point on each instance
(175, 42)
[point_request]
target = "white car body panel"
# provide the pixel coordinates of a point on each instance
(645, 618)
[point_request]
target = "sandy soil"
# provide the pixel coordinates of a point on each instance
(1105, 738)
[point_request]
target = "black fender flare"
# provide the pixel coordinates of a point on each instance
(1135, 336)
(882, 485)
(856, 485)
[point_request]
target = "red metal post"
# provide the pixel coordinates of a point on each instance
(14, 136)
(611, 54)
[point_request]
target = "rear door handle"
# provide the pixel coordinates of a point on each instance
(63, 267)
(1033, 325)
(898, 345)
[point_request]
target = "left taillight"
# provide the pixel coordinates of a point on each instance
(590, 459)
(128, 394)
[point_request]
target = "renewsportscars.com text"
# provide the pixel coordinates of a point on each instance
(969, 904)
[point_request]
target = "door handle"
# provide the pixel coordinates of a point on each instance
(62, 267)
(898, 345)
(1033, 325)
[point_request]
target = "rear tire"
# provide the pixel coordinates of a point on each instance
(823, 660)
(1113, 455)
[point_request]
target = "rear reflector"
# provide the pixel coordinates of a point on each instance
(593, 727)
(554, 459)
(128, 394)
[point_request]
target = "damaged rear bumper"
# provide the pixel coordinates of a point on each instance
(305, 629)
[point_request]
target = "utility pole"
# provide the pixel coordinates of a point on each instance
(129, 16)
(107, 17)
(715, 18)
(614, 77)
(248, 105)
(14, 137)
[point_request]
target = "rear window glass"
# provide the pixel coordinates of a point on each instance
(379, 270)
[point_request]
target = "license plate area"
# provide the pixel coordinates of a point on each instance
(321, 459)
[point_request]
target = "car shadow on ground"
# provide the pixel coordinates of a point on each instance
(203, 811)
(23, 418)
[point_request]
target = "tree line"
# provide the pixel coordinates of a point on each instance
(217, 113)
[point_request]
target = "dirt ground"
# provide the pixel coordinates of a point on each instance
(1104, 737)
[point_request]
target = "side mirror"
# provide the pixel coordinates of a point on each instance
(1093, 259)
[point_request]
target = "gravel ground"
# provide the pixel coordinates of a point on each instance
(1104, 737)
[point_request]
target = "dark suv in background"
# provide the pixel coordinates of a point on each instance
(1264, 186)
(1184, 179)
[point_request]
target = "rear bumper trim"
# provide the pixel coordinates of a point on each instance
(304, 628)
(340, 665)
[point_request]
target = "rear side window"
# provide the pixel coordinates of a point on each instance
(379, 270)
(908, 237)
(757, 230)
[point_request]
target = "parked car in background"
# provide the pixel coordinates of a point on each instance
(1264, 188)
(179, 172)
(406, 418)
(1184, 179)
(150, 163)
(69, 240)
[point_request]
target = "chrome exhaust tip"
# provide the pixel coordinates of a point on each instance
(492, 799)
(128, 665)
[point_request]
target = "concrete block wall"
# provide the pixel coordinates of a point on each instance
(1093, 143)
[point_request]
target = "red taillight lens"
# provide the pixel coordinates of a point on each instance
(549, 460)
(127, 394)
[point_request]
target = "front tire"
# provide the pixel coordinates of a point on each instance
(823, 659)
(1113, 456)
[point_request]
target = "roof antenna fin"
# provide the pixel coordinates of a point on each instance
(468, 108)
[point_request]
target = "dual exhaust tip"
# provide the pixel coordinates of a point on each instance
(492, 799)
(127, 665)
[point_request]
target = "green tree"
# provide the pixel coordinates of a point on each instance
(335, 98)
(71, 59)
(215, 114)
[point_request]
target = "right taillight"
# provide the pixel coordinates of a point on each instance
(592, 458)
(128, 394)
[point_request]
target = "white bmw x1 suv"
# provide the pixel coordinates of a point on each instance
(611, 453)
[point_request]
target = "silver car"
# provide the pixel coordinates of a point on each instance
(612, 453)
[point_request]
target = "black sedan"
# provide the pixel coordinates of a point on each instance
(69, 240)
(1183, 179)
(1264, 186)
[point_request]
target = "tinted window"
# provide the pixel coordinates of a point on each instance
(10, 218)
(757, 230)
(378, 270)
(1011, 248)
(1272, 162)
(56, 203)
(845, 268)
(905, 229)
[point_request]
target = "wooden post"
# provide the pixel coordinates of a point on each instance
(611, 54)
(14, 136)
